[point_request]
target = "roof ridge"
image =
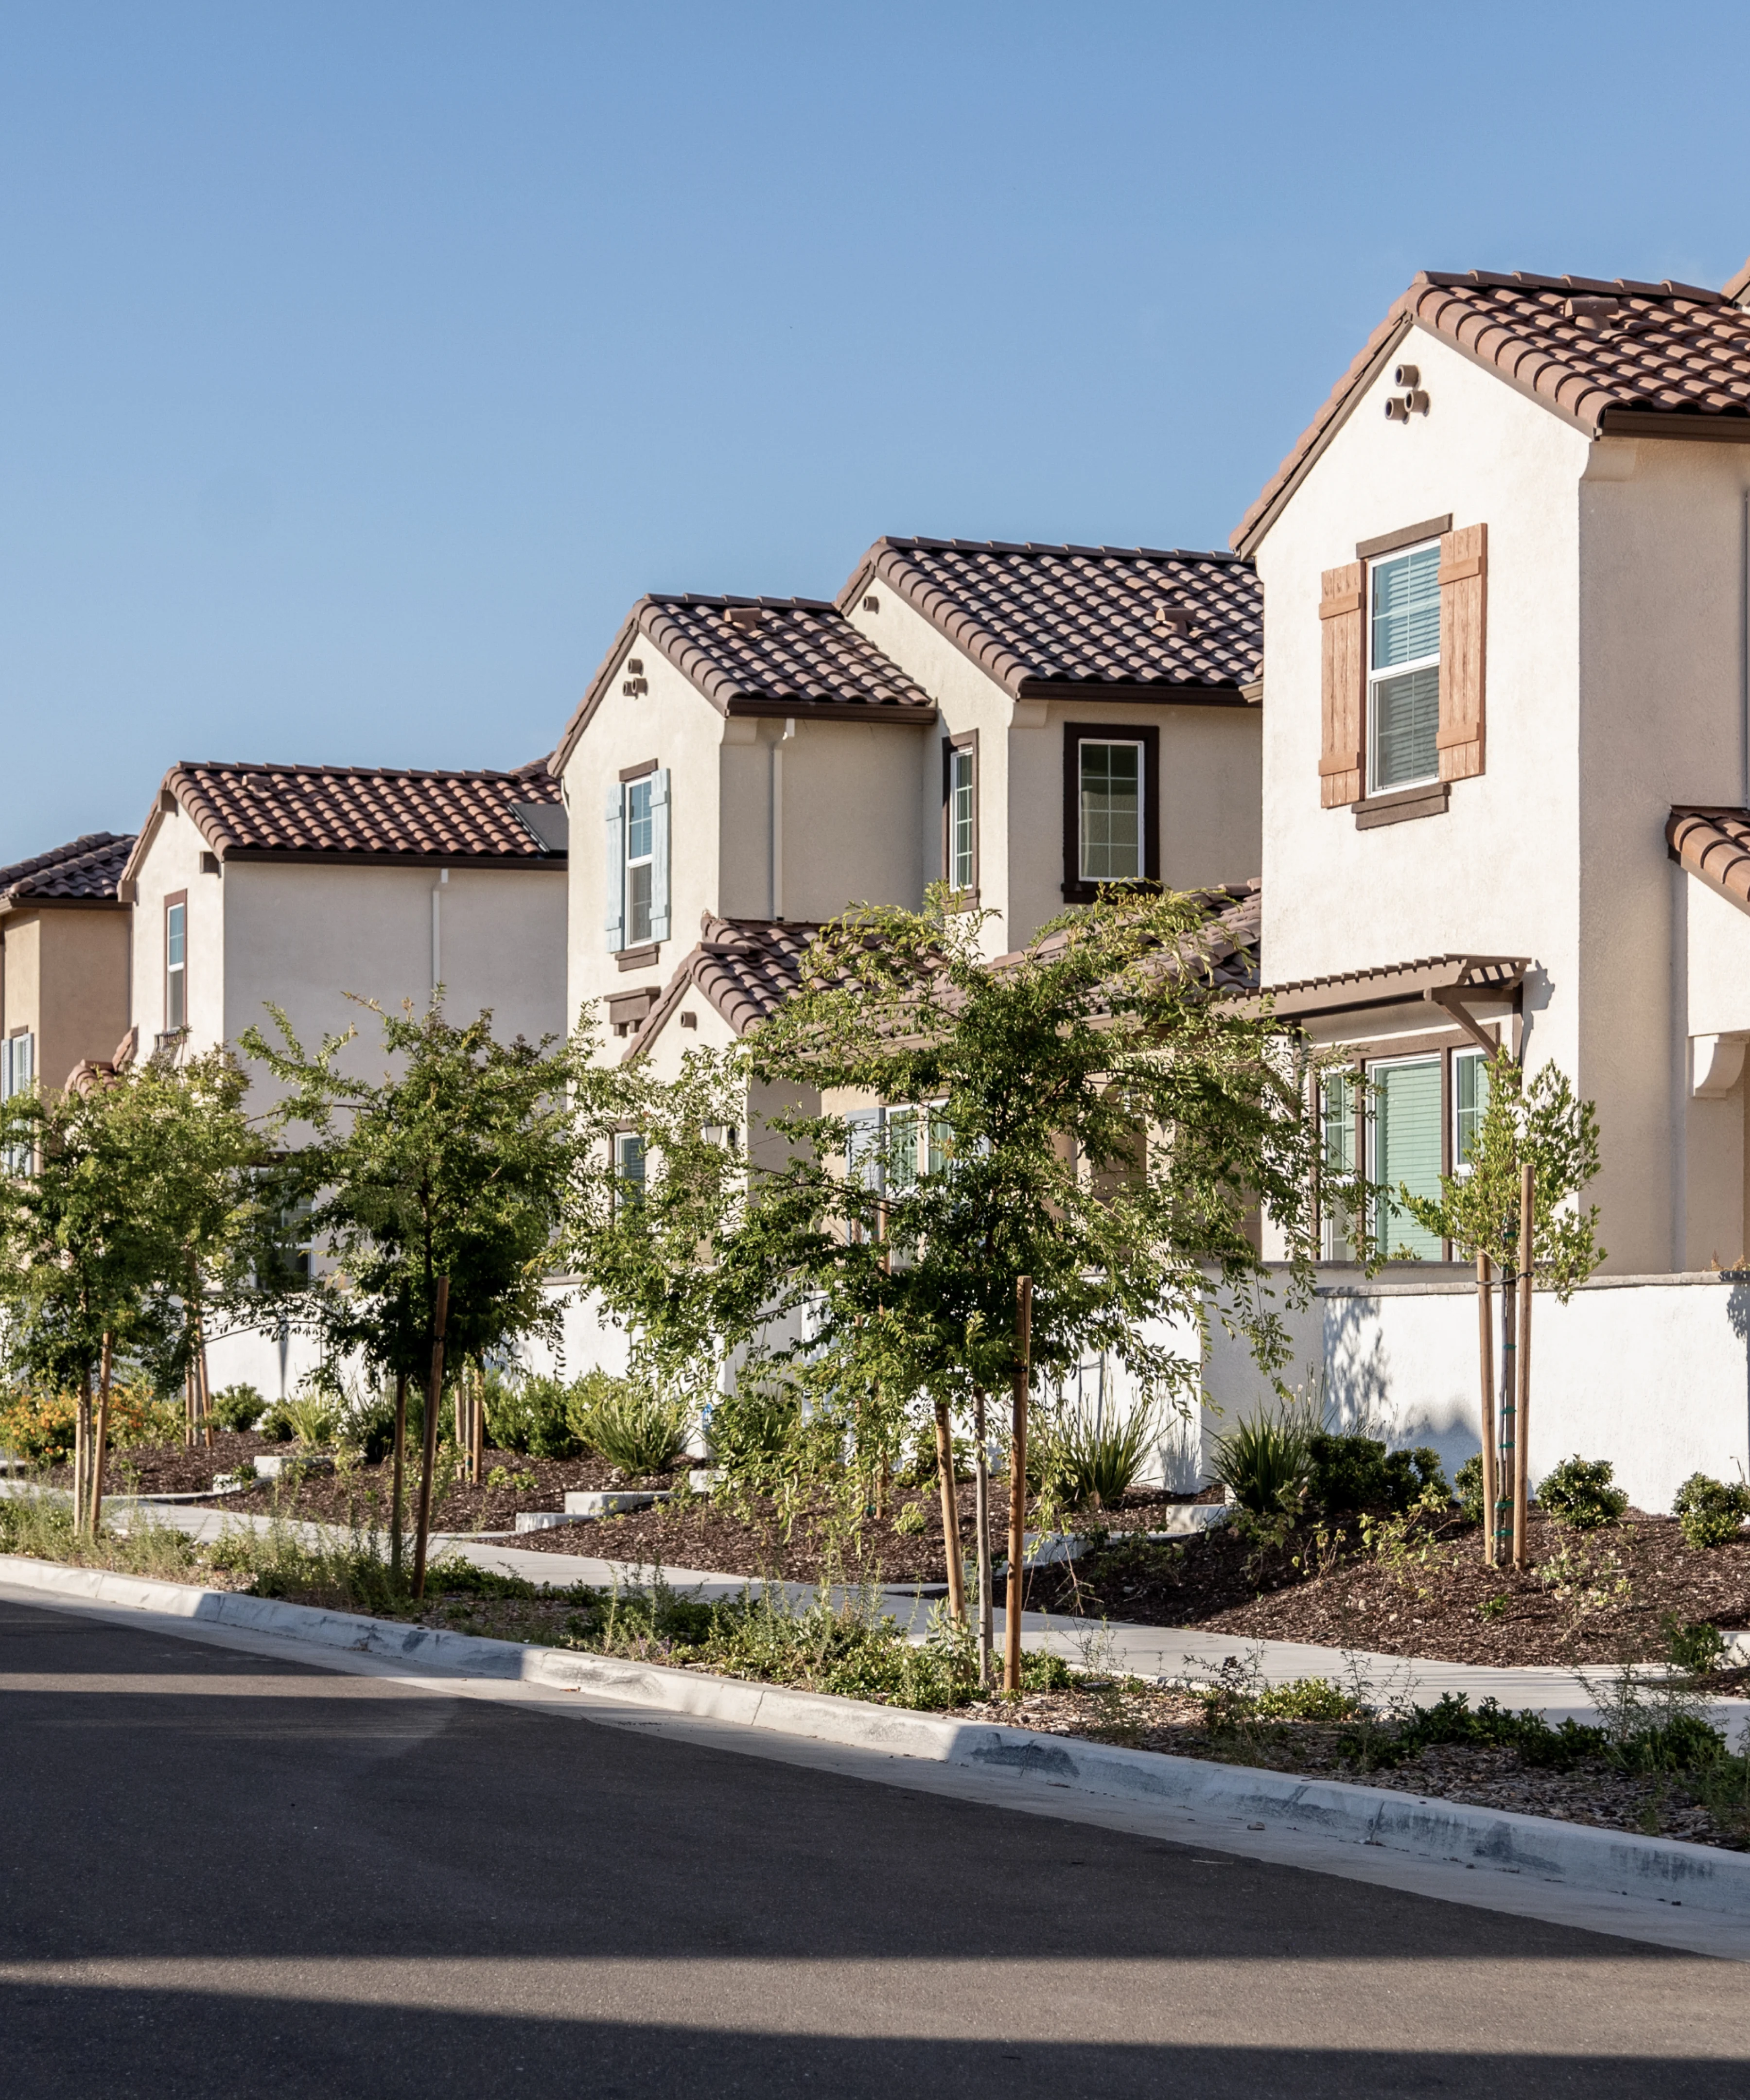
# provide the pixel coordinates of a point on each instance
(899, 545)
(521, 776)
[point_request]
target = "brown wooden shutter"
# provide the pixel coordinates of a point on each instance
(1345, 671)
(1464, 637)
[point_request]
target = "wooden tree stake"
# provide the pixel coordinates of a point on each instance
(981, 1535)
(1501, 1513)
(1523, 1425)
(1486, 1352)
(101, 1438)
(398, 1489)
(433, 1400)
(950, 1513)
(1018, 1486)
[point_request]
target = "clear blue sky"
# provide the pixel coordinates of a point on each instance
(359, 363)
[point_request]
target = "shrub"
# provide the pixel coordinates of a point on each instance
(1263, 1463)
(1467, 1487)
(1095, 1462)
(631, 1427)
(1578, 1493)
(313, 1418)
(368, 1423)
(1696, 1648)
(750, 1430)
(237, 1407)
(532, 1415)
(38, 1426)
(1709, 1512)
(275, 1425)
(1306, 1699)
(1359, 1472)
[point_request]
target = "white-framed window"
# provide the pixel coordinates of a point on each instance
(629, 1165)
(1336, 1105)
(1110, 786)
(18, 1063)
(1470, 1100)
(963, 860)
(638, 860)
(175, 967)
(1403, 669)
(1404, 1118)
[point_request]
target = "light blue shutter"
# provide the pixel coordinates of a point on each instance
(616, 868)
(659, 853)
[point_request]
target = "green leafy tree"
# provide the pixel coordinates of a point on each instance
(470, 1165)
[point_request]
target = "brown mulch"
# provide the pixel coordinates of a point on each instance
(169, 1469)
(1453, 1608)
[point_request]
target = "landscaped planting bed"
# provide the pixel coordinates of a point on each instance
(1596, 1597)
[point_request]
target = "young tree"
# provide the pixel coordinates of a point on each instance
(1536, 1128)
(444, 1191)
(1087, 1113)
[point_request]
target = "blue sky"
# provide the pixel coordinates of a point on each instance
(360, 364)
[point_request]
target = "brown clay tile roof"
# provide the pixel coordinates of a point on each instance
(761, 656)
(357, 811)
(1715, 844)
(86, 871)
(1121, 622)
(1605, 354)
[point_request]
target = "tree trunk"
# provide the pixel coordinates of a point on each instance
(433, 1401)
(1486, 1353)
(101, 1438)
(1018, 1487)
(1502, 1515)
(479, 1425)
(202, 1391)
(1522, 1422)
(82, 1452)
(398, 1477)
(981, 1535)
(950, 1513)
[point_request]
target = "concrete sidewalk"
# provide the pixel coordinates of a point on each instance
(1143, 1650)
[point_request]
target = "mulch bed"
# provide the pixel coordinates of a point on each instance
(169, 1469)
(1453, 1607)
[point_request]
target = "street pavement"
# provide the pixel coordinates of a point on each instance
(233, 1874)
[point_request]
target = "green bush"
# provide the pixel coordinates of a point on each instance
(275, 1425)
(1359, 1473)
(1306, 1699)
(237, 1407)
(531, 1414)
(1695, 1647)
(629, 1425)
(1263, 1463)
(750, 1431)
(1709, 1512)
(1096, 1464)
(1577, 1493)
(1467, 1487)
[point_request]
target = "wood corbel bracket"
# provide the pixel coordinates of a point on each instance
(1449, 999)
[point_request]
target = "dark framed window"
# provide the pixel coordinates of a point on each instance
(1112, 806)
(176, 962)
(960, 813)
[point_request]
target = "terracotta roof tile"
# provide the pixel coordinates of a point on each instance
(357, 809)
(1593, 350)
(86, 871)
(760, 656)
(1123, 621)
(1715, 844)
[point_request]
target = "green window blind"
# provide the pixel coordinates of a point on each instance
(1406, 1149)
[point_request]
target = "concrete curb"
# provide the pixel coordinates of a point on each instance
(1702, 1876)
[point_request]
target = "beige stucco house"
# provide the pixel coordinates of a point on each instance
(311, 887)
(63, 961)
(1506, 797)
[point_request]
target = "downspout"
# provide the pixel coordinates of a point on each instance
(776, 834)
(1744, 652)
(437, 930)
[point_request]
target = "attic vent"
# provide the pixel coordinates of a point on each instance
(632, 687)
(635, 665)
(1594, 306)
(872, 604)
(745, 617)
(1173, 618)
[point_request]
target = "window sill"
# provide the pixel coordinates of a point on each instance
(962, 900)
(639, 958)
(1430, 799)
(1087, 892)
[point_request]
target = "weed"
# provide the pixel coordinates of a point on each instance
(501, 1476)
(1494, 1608)
(1585, 1581)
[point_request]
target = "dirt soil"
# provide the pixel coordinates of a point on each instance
(1437, 1601)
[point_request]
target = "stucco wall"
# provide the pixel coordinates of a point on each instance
(20, 971)
(170, 862)
(82, 987)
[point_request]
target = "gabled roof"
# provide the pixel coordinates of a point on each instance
(86, 871)
(773, 656)
(1613, 357)
(1119, 623)
(359, 813)
(1714, 845)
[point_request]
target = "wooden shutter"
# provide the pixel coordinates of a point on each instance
(1464, 637)
(615, 920)
(1341, 609)
(659, 853)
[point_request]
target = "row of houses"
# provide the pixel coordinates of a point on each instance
(1462, 716)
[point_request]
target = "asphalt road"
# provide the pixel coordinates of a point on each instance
(229, 1875)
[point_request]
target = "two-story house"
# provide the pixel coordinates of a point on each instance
(1506, 775)
(63, 961)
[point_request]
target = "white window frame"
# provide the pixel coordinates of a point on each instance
(962, 871)
(1084, 746)
(175, 973)
(1376, 676)
(646, 861)
(1461, 1166)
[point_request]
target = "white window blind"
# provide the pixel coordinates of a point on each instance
(1112, 812)
(1404, 670)
(1336, 1125)
(1470, 1100)
(176, 968)
(960, 793)
(1406, 1134)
